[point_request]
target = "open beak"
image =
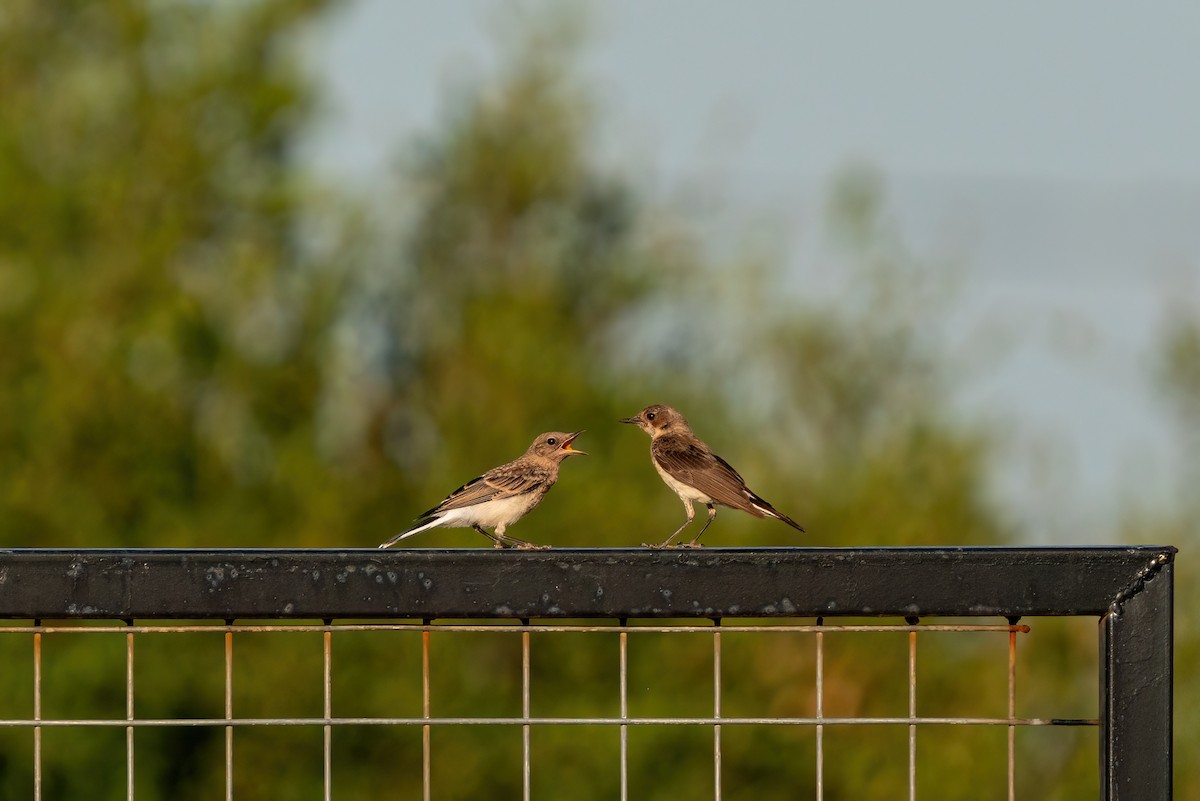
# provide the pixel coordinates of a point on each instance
(566, 446)
(633, 420)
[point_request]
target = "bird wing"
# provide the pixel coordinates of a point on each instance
(514, 478)
(697, 466)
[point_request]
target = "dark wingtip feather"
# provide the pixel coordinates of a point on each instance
(762, 508)
(791, 522)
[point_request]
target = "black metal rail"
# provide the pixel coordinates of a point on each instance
(1128, 588)
(571, 583)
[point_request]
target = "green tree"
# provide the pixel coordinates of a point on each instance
(163, 322)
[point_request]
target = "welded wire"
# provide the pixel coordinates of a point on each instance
(717, 712)
(1012, 713)
(327, 693)
(820, 731)
(129, 715)
(624, 651)
(231, 722)
(228, 714)
(426, 783)
(542, 628)
(912, 714)
(526, 760)
(328, 722)
(37, 714)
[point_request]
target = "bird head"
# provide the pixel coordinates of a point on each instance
(555, 445)
(657, 420)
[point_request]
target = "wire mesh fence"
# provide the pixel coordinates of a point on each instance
(560, 655)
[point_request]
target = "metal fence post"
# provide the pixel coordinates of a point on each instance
(1136, 690)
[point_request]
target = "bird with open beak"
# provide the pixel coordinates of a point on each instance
(695, 473)
(502, 495)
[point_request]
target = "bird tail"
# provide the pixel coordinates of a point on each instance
(765, 509)
(403, 535)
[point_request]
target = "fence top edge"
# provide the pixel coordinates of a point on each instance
(574, 582)
(1032, 550)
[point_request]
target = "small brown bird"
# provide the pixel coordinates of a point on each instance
(695, 473)
(502, 495)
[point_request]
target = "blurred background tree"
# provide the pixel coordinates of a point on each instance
(1179, 382)
(165, 320)
(204, 348)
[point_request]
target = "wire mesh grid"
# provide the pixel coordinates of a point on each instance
(425, 633)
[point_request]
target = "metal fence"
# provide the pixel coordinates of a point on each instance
(621, 595)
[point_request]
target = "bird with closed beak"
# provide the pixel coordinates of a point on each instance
(695, 473)
(502, 495)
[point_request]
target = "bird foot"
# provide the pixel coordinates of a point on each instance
(531, 546)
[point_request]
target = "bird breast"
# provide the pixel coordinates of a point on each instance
(504, 510)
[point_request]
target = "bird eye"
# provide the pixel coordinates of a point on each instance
(649, 415)
(552, 441)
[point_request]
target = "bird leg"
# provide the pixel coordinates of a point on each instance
(712, 515)
(497, 541)
(691, 515)
(513, 542)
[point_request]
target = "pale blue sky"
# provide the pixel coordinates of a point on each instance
(1098, 91)
(1050, 146)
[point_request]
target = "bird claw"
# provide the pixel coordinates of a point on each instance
(531, 546)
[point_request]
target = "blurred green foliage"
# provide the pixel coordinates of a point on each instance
(201, 347)
(1179, 379)
(164, 328)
